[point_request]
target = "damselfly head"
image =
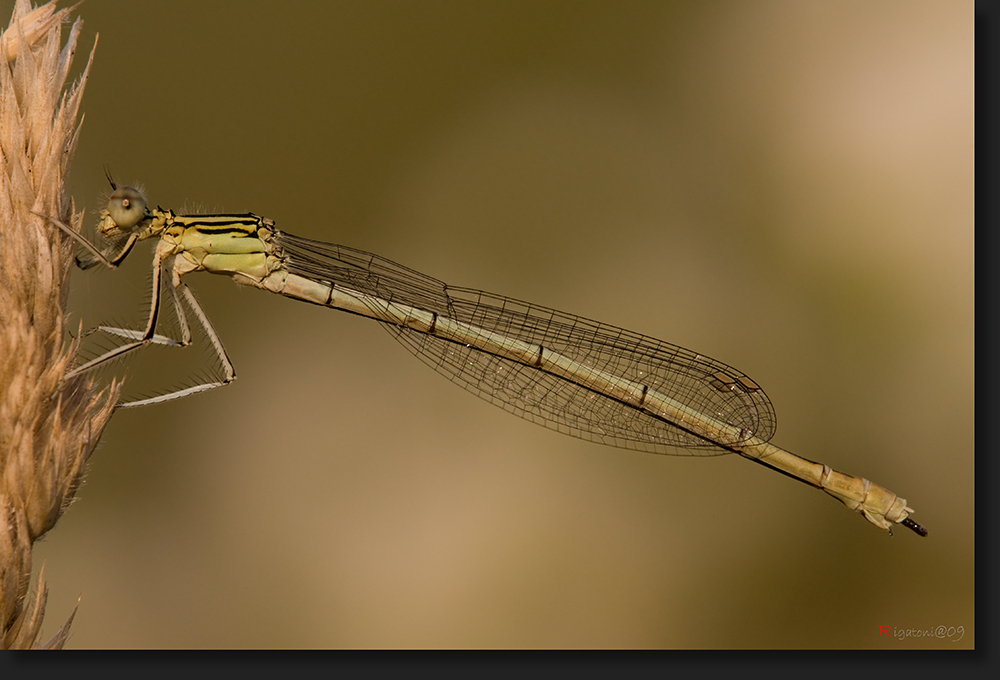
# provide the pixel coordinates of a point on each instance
(126, 208)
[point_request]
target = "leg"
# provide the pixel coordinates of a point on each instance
(98, 255)
(227, 365)
(144, 339)
(156, 339)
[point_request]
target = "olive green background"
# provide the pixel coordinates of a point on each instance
(785, 186)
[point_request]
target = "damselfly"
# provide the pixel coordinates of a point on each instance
(580, 377)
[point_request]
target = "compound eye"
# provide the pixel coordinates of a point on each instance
(126, 207)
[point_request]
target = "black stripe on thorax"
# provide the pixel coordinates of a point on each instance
(246, 223)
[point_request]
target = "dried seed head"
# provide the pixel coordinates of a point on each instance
(48, 426)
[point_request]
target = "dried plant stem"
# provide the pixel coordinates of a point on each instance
(48, 426)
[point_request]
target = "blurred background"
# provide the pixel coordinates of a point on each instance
(784, 186)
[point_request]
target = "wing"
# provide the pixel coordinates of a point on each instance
(696, 381)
